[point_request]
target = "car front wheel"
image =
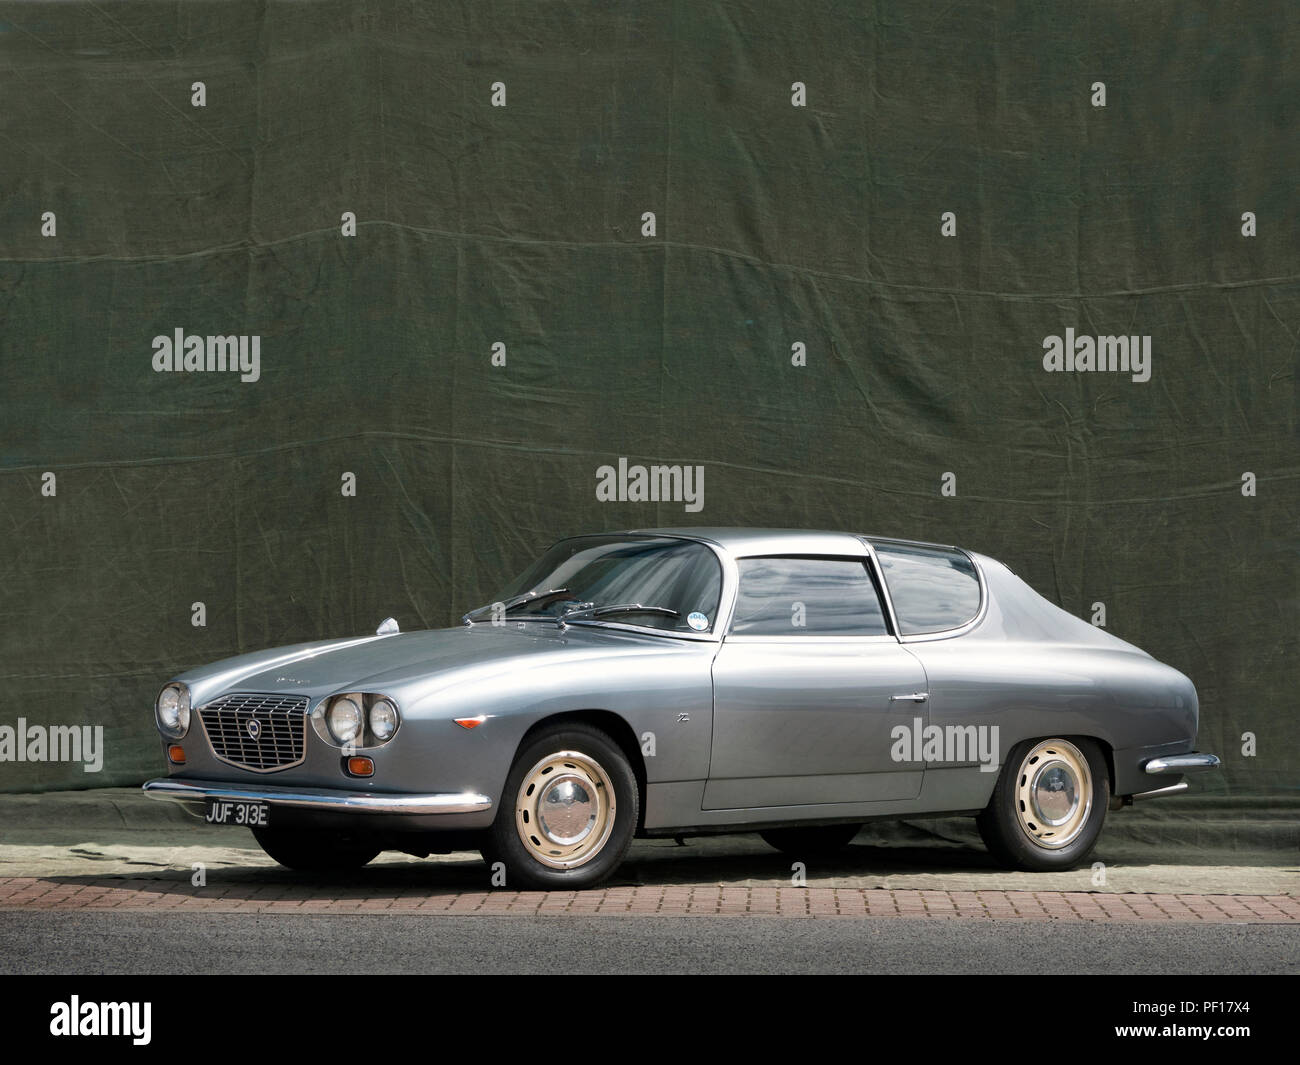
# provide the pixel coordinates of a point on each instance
(568, 812)
(1048, 805)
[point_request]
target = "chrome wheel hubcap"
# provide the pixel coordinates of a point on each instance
(1053, 793)
(564, 812)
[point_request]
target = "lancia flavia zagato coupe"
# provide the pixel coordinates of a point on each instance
(676, 682)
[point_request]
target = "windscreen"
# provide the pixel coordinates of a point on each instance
(681, 579)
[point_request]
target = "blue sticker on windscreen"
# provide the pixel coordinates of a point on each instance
(699, 622)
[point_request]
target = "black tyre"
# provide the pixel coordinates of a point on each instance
(317, 852)
(1048, 805)
(568, 811)
(815, 839)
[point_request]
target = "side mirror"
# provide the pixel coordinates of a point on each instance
(387, 627)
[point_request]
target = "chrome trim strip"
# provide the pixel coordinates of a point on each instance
(878, 579)
(1182, 763)
(730, 590)
(1160, 793)
(811, 637)
(347, 802)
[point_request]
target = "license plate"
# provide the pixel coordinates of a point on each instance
(236, 812)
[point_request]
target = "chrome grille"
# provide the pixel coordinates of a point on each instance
(281, 729)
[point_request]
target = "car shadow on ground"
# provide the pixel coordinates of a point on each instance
(466, 871)
(742, 861)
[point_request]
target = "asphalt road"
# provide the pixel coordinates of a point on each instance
(141, 943)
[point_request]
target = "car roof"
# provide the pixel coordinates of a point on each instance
(743, 541)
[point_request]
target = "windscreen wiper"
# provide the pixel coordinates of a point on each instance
(595, 612)
(516, 601)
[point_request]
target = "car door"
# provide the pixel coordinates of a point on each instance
(808, 687)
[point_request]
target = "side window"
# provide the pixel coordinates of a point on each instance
(807, 597)
(932, 588)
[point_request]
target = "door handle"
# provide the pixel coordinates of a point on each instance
(915, 697)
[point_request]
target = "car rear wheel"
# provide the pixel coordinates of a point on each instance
(319, 852)
(814, 839)
(1048, 805)
(568, 811)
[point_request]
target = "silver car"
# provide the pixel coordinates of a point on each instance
(669, 682)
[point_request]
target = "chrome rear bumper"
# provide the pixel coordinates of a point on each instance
(1182, 763)
(1176, 764)
(199, 791)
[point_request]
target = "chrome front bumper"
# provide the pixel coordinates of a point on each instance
(199, 791)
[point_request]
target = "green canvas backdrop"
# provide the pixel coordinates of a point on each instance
(523, 225)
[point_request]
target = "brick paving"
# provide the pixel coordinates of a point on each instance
(664, 900)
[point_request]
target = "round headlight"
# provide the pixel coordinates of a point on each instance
(173, 710)
(383, 719)
(344, 718)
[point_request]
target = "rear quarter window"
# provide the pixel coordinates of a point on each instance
(932, 588)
